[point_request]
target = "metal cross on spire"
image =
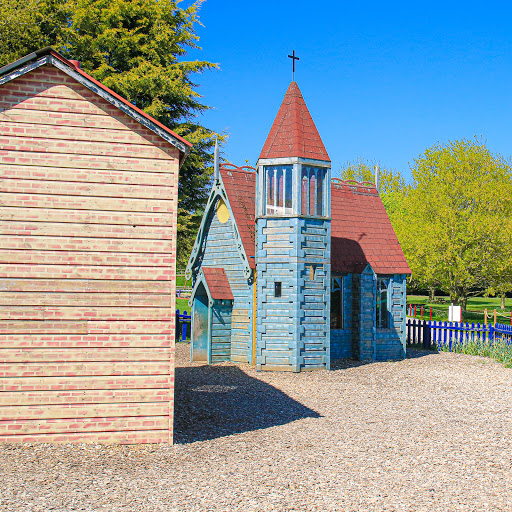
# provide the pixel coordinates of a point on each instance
(292, 56)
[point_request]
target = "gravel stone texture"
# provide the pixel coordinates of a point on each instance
(430, 433)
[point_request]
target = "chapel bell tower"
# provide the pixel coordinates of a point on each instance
(293, 253)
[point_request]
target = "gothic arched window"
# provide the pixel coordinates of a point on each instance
(313, 195)
(278, 190)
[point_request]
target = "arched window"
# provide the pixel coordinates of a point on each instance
(313, 194)
(278, 186)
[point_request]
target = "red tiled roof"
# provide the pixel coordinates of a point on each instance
(240, 184)
(294, 133)
(218, 283)
(361, 231)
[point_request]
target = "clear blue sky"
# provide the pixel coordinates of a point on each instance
(382, 80)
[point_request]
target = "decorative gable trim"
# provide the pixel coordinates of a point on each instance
(200, 279)
(196, 256)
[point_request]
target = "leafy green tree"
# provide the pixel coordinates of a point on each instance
(29, 25)
(456, 221)
(391, 183)
(136, 48)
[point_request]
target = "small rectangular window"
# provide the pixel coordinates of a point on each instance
(277, 289)
(337, 302)
(381, 308)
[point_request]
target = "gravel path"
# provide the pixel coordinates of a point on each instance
(433, 432)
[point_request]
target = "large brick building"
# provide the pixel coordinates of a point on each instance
(88, 202)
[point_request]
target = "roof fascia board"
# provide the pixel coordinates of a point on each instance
(294, 160)
(218, 191)
(22, 69)
(120, 105)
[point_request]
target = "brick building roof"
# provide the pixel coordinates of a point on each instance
(361, 231)
(49, 56)
(218, 283)
(293, 133)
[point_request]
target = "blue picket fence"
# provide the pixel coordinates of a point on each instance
(445, 335)
(182, 325)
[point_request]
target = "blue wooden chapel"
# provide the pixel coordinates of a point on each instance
(291, 268)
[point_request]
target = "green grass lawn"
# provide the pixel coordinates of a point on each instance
(182, 305)
(474, 313)
(181, 282)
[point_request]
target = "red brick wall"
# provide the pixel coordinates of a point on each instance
(88, 202)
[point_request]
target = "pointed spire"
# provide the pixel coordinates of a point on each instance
(294, 133)
(216, 160)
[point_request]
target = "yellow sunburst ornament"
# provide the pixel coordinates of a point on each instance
(222, 212)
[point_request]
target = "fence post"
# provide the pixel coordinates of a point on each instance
(422, 312)
(414, 310)
(426, 335)
(431, 315)
(184, 328)
(177, 326)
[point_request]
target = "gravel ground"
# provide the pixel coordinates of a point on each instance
(432, 432)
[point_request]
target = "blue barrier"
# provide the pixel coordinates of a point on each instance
(182, 324)
(447, 334)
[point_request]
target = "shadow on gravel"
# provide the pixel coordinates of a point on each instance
(217, 401)
(413, 352)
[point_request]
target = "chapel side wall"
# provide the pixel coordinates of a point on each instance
(87, 280)
(221, 331)
(341, 339)
(221, 251)
(390, 343)
(367, 316)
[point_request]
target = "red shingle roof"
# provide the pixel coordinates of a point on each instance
(294, 133)
(361, 231)
(218, 283)
(240, 184)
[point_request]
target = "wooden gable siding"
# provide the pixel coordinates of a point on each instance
(88, 202)
(221, 251)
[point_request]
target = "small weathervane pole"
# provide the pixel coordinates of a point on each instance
(292, 56)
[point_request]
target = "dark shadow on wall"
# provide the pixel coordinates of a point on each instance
(218, 401)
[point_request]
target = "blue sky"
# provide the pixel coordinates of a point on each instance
(383, 81)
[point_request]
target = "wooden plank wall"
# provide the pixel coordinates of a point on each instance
(88, 202)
